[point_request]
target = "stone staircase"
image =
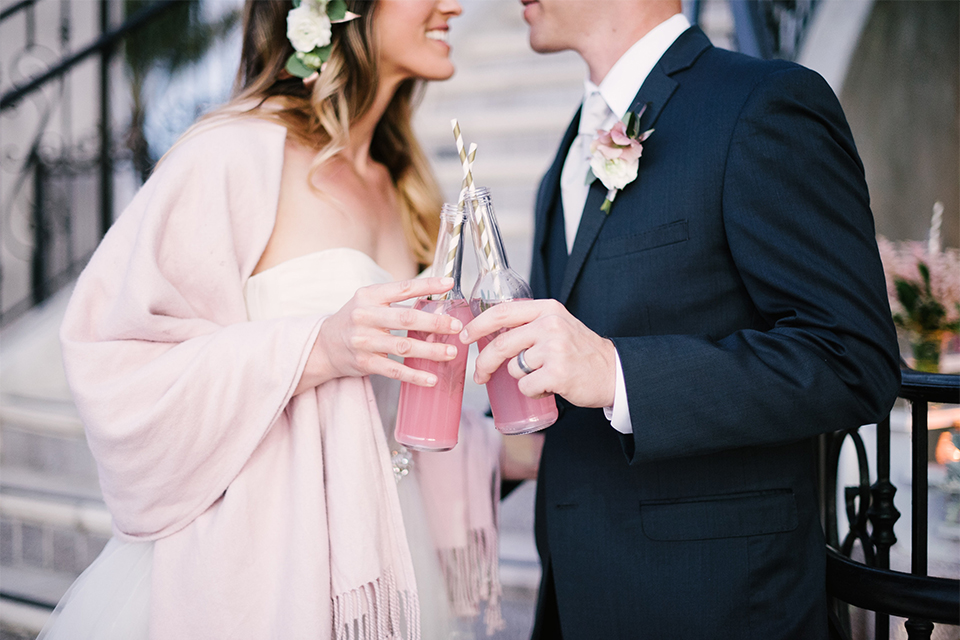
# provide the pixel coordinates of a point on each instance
(52, 519)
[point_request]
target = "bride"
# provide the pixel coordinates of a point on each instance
(229, 347)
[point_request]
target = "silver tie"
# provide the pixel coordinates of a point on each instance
(594, 115)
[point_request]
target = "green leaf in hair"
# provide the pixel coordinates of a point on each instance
(296, 68)
(336, 10)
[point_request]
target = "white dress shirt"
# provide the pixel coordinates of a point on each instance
(618, 89)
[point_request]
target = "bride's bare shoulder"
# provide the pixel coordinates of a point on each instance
(226, 142)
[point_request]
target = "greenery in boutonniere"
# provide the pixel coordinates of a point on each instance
(615, 158)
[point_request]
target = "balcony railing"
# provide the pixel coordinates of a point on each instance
(60, 199)
(923, 600)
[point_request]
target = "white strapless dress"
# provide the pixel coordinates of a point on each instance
(111, 599)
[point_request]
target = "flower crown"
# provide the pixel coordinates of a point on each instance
(308, 29)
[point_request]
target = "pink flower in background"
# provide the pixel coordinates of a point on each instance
(902, 262)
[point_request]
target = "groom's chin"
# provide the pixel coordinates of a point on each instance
(541, 44)
(546, 36)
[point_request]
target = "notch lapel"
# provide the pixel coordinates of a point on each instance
(656, 91)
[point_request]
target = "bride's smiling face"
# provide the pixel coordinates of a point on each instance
(412, 38)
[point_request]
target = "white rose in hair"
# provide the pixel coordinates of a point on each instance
(307, 29)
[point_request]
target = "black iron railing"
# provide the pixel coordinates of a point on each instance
(869, 508)
(105, 44)
(51, 236)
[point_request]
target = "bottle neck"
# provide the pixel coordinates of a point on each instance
(448, 258)
(486, 232)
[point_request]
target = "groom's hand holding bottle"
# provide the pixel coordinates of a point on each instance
(561, 355)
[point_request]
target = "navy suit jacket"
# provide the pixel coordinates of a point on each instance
(739, 278)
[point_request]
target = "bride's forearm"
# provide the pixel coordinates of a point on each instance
(319, 368)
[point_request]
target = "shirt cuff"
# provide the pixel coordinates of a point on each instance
(619, 413)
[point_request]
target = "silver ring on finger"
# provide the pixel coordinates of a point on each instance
(522, 363)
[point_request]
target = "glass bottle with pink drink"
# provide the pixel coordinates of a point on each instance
(428, 418)
(513, 412)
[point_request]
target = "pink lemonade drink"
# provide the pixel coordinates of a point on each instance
(514, 413)
(428, 418)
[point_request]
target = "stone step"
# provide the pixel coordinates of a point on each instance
(20, 480)
(521, 79)
(47, 536)
(511, 171)
(21, 621)
(527, 129)
(43, 437)
(44, 415)
(37, 588)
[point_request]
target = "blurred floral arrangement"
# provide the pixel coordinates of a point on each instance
(923, 284)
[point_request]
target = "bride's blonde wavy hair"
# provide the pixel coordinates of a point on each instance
(319, 115)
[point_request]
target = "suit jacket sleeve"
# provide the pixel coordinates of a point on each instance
(798, 225)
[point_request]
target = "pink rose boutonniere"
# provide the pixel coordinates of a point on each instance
(615, 155)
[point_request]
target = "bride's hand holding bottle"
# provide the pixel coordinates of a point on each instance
(356, 340)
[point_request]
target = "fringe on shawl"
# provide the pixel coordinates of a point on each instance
(375, 611)
(472, 575)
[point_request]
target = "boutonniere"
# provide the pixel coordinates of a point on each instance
(615, 155)
(309, 31)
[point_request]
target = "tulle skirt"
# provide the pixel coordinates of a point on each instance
(111, 599)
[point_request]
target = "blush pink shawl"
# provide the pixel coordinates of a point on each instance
(274, 516)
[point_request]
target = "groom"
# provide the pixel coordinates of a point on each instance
(729, 307)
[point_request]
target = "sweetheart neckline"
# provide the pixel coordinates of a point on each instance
(314, 254)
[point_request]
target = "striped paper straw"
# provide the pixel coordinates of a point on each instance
(467, 177)
(483, 232)
(468, 170)
(467, 161)
(464, 159)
